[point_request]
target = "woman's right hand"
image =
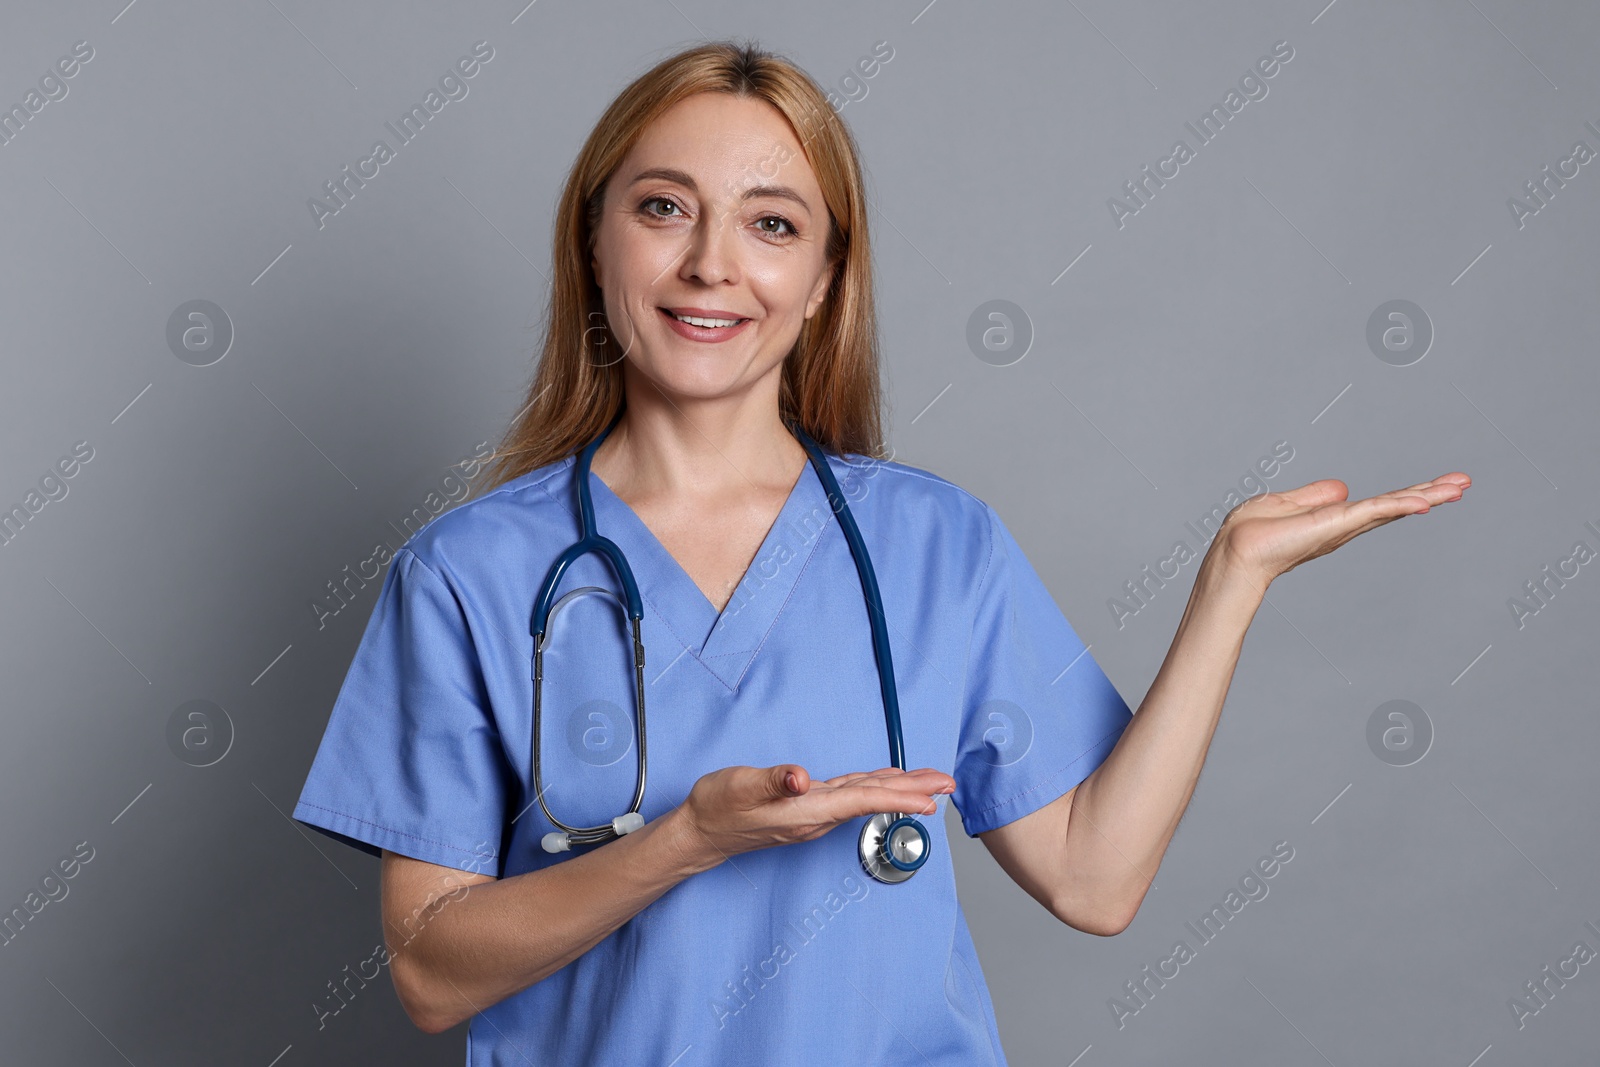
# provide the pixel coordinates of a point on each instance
(740, 809)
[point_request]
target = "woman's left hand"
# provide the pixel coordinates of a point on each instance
(1271, 534)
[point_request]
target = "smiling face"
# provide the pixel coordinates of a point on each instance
(714, 214)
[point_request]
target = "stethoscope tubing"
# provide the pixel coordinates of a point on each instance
(869, 586)
(591, 541)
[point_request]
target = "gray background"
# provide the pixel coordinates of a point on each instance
(1228, 314)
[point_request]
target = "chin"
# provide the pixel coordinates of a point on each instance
(681, 385)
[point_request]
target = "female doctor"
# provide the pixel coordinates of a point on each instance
(712, 288)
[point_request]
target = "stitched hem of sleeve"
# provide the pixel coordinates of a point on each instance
(1041, 793)
(372, 838)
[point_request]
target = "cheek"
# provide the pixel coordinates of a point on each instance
(781, 289)
(640, 272)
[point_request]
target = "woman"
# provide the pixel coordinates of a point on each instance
(712, 286)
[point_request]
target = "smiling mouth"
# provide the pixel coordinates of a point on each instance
(703, 321)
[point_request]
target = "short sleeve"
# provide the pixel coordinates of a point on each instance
(411, 759)
(1038, 713)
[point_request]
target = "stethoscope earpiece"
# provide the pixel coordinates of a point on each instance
(557, 841)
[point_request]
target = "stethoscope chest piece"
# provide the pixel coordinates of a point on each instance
(893, 847)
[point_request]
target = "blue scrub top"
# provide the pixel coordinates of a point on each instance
(789, 954)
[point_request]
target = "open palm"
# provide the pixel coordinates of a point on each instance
(1273, 533)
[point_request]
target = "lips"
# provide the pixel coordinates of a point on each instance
(705, 334)
(704, 313)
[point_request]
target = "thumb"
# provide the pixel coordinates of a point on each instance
(788, 780)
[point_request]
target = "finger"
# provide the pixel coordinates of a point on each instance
(943, 783)
(1436, 492)
(871, 798)
(1373, 512)
(1440, 490)
(1377, 511)
(1453, 478)
(1313, 494)
(1428, 496)
(856, 776)
(926, 779)
(785, 780)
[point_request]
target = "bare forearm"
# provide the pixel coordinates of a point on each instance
(1124, 814)
(500, 937)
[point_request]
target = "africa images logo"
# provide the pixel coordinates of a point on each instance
(803, 931)
(1252, 86)
(452, 86)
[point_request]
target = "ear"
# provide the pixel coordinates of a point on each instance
(820, 290)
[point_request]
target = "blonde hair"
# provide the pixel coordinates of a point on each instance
(830, 379)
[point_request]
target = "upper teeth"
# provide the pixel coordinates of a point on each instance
(696, 320)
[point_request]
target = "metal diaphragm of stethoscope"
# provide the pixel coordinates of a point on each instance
(892, 845)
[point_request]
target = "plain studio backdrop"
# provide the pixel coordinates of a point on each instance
(1377, 261)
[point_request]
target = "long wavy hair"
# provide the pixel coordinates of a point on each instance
(830, 379)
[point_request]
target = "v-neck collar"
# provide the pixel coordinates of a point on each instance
(724, 642)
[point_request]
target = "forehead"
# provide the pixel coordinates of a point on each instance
(725, 143)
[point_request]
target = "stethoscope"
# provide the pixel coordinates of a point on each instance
(892, 845)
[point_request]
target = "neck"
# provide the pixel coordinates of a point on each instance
(660, 448)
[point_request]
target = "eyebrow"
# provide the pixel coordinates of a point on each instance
(671, 174)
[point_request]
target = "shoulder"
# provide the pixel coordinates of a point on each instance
(494, 526)
(911, 500)
(907, 480)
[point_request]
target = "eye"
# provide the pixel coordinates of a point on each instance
(645, 206)
(782, 221)
(785, 231)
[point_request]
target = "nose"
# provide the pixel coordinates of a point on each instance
(712, 255)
